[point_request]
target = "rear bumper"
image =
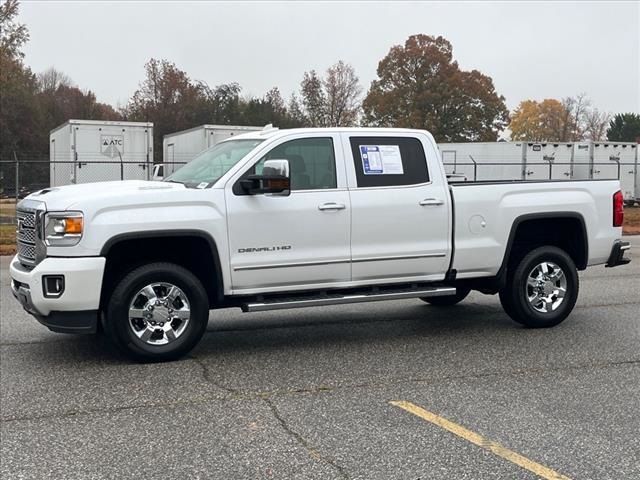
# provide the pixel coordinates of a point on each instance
(617, 254)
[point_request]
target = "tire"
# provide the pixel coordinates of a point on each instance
(448, 300)
(533, 294)
(179, 315)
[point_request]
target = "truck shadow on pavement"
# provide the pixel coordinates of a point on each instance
(231, 331)
(306, 329)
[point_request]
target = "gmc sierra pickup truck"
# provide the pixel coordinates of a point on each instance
(299, 218)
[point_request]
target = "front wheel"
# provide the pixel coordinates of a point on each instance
(157, 312)
(541, 289)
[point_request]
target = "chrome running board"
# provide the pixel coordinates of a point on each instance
(333, 299)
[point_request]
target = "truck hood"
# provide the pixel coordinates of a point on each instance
(74, 196)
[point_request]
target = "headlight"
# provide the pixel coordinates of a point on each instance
(63, 229)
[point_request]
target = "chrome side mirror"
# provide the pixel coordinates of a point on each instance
(274, 179)
(276, 167)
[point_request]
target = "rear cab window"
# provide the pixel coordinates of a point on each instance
(386, 161)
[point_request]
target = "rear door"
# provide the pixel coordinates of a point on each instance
(400, 227)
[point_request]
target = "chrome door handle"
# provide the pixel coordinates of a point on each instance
(430, 201)
(332, 206)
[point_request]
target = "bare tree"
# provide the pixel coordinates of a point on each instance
(51, 79)
(274, 98)
(574, 123)
(13, 35)
(342, 89)
(295, 111)
(331, 101)
(313, 99)
(596, 123)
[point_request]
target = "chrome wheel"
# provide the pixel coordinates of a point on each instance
(159, 313)
(546, 287)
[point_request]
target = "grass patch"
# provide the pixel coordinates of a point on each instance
(632, 220)
(7, 239)
(7, 207)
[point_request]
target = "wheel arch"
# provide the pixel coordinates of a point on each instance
(195, 250)
(550, 228)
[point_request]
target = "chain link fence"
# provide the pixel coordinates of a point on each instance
(22, 175)
(25, 174)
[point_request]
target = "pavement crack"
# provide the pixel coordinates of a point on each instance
(206, 374)
(313, 452)
(267, 395)
(108, 410)
(443, 378)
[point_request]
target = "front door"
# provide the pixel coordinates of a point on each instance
(296, 241)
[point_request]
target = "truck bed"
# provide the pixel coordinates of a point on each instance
(487, 212)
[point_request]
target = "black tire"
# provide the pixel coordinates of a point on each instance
(448, 300)
(122, 334)
(517, 291)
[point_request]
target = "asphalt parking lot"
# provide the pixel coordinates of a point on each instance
(307, 394)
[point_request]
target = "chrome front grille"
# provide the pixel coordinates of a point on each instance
(28, 219)
(26, 236)
(27, 253)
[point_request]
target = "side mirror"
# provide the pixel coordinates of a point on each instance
(274, 179)
(158, 171)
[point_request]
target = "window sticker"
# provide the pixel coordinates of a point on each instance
(381, 159)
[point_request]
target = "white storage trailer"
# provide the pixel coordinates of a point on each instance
(618, 160)
(607, 160)
(181, 147)
(84, 151)
(545, 160)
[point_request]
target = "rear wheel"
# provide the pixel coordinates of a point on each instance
(541, 289)
(157, 312)
(448, 300)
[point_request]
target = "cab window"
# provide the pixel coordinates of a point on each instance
(312, 163)
(389, 161)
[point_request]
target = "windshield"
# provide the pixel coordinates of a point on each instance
(213, 163)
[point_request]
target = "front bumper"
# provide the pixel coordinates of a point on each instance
(617, 254)
(76, 310)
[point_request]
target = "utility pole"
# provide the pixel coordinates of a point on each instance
(15, 157)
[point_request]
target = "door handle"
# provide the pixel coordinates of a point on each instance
(430, 201)
(332, 206)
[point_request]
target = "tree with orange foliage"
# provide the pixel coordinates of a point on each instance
(570, 120)
(419, 85)
(539, 121)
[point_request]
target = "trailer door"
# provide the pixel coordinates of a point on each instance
(582, 162)
(628, 171)
(136, 166)
(98, 152)
(547, 161)
(606, 160)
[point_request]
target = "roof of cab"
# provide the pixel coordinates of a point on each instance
(269, 132)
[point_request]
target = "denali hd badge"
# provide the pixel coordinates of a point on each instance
(264, 249)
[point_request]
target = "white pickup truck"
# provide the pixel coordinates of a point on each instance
(297, 218)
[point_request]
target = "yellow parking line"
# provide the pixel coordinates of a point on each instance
(480, 441)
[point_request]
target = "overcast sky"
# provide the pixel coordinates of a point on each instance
(530, 49)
